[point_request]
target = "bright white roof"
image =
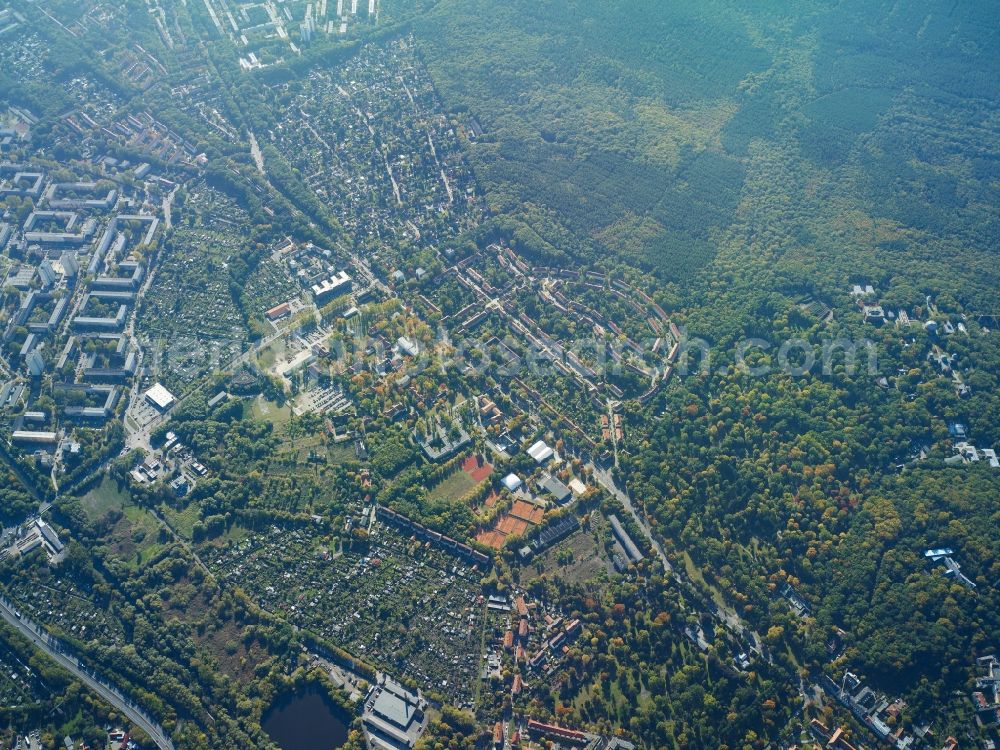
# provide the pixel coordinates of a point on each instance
(160, 396)
(540, 452)
(512, 482)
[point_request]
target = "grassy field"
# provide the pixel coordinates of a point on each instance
(104, 498)
(268, 411)
(695, 574)
(136, 536)
(301, 446)
(453, 487)
(182, 521)
(234, 533)
(340, 453)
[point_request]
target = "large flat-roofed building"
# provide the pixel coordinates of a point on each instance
(278, 311)
(90, 323)
(49, 537)
(339, 283)
(23, 182)
(113, 283)
(22, 278)
(394, 717)
(55, 191)
(554, 731)
(554, 487)
(39, 534)
(397, 707)
(541, 452)
(36, 363)
(110, 393)
(69, 221)
(630, 548)
(34, 437)
(160, 397)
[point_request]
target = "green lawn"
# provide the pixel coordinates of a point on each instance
(453, 487)
(233, 534)
(137, 536)
(104, 498)
(268, 411)
(695, 574)
(341, 453)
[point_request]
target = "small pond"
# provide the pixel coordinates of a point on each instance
(307, 720)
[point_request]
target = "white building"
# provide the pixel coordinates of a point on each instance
(35, 437)
(541, 452)
(512, 482)
(339, 283)
(36, 363)
(69, 263)
(408, 346)
(160, 397)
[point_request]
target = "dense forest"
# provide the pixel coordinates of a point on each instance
(846, 139)
(752, 158)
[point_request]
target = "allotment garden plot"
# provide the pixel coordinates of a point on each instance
(190, 308)
(411, 609)
(19, 685)
(65, 609)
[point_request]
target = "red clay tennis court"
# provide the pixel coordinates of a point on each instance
(478, 471)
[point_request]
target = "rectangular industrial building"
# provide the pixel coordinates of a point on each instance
(160, 397)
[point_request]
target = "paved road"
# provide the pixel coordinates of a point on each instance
(56, 651)
(607, 482)
(732, 620)
(168, 202)
(258, 157)
(140, 437)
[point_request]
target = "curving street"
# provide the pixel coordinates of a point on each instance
(56, 651)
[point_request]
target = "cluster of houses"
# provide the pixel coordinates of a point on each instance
(252, 24)
(529, 732)
(944, 362)
(951, 568)
(630, 355)
(875, 711)
(607, 426)
(316, 270)
(493, 420)
(837, 739)
(873, 312)
(966, 452)
(33, 740)
(537, 646)
(403, 199)
(174, 461)
(143, 132)
(442, 438)
(986, 696)
(119, 739)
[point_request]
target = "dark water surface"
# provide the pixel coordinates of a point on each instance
(308, 720)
